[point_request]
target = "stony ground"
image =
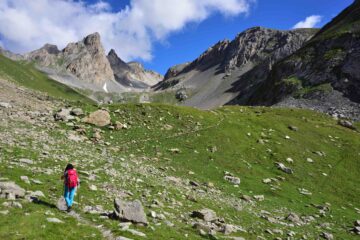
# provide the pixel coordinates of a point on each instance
(175, 173)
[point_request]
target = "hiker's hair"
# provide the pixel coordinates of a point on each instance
(69, 166)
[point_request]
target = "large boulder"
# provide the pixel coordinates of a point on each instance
(100, 118)
(130, 211)
(207, 215)
(10, 190)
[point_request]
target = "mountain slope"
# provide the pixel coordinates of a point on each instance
(186, 166)
(132, 75)
(324, 74)
(211, 78)
(27, 75)
(84, 65)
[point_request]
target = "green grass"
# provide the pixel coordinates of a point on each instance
(145, 146)
(26, 75)
(323, 88)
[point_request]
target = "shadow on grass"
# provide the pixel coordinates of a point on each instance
(41, 202)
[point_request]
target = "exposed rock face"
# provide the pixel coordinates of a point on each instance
(147, 76)
(132, 75)
(84, 65)
(214, 76)
(327, 66)
(46, 56)
(87, 60)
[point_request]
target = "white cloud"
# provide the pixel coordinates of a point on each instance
(309, 22)
(26, 25)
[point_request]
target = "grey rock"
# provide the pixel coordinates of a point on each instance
(61, 204)
(327, 236)
(283, 168)
(347, 124)
(232, 179)
(206, 214)
(54, 220)
(10, 190)
(77, 112)
(26, 161)
(63, 115)
(130, 211)
(5, 105)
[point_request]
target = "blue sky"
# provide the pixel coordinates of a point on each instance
(165, 36)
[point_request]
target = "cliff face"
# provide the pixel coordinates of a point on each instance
(327, 66)
(87, 60)
(84, 64)
(221, 67)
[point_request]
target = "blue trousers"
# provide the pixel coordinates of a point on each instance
(69, 195)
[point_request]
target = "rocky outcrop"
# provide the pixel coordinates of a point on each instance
(84, 65)
(323, 74)
(132, 75)
(87, 60)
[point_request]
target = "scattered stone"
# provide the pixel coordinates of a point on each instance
(206, 214)
(259, 198)
(54, 220)
(77, 112)
(5, 105)
(25, 179)
(175, 150)
(309, 160)
(136, 233)
(294, 218)
(327, 236)
(304, 191)
(230, 178)
(246, 198)
(11, 190)
(26, 161)
(267, 180)
(119, 126)
(61, 204)
(63, 115)
(38, 194)
(99, 118)
(347, 124)
(130, 211)
(16, 205)
(293, 128)
(283, 168)
(93, 188)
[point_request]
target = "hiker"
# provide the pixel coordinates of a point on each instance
(71, 182)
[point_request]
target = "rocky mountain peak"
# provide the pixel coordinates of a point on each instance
(50, 48)
(93, 39)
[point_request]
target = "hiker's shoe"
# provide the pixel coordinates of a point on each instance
(68, 209)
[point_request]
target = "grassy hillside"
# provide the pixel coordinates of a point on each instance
(25, 74)
(165, 147)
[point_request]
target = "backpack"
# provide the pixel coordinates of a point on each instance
(71, 178)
